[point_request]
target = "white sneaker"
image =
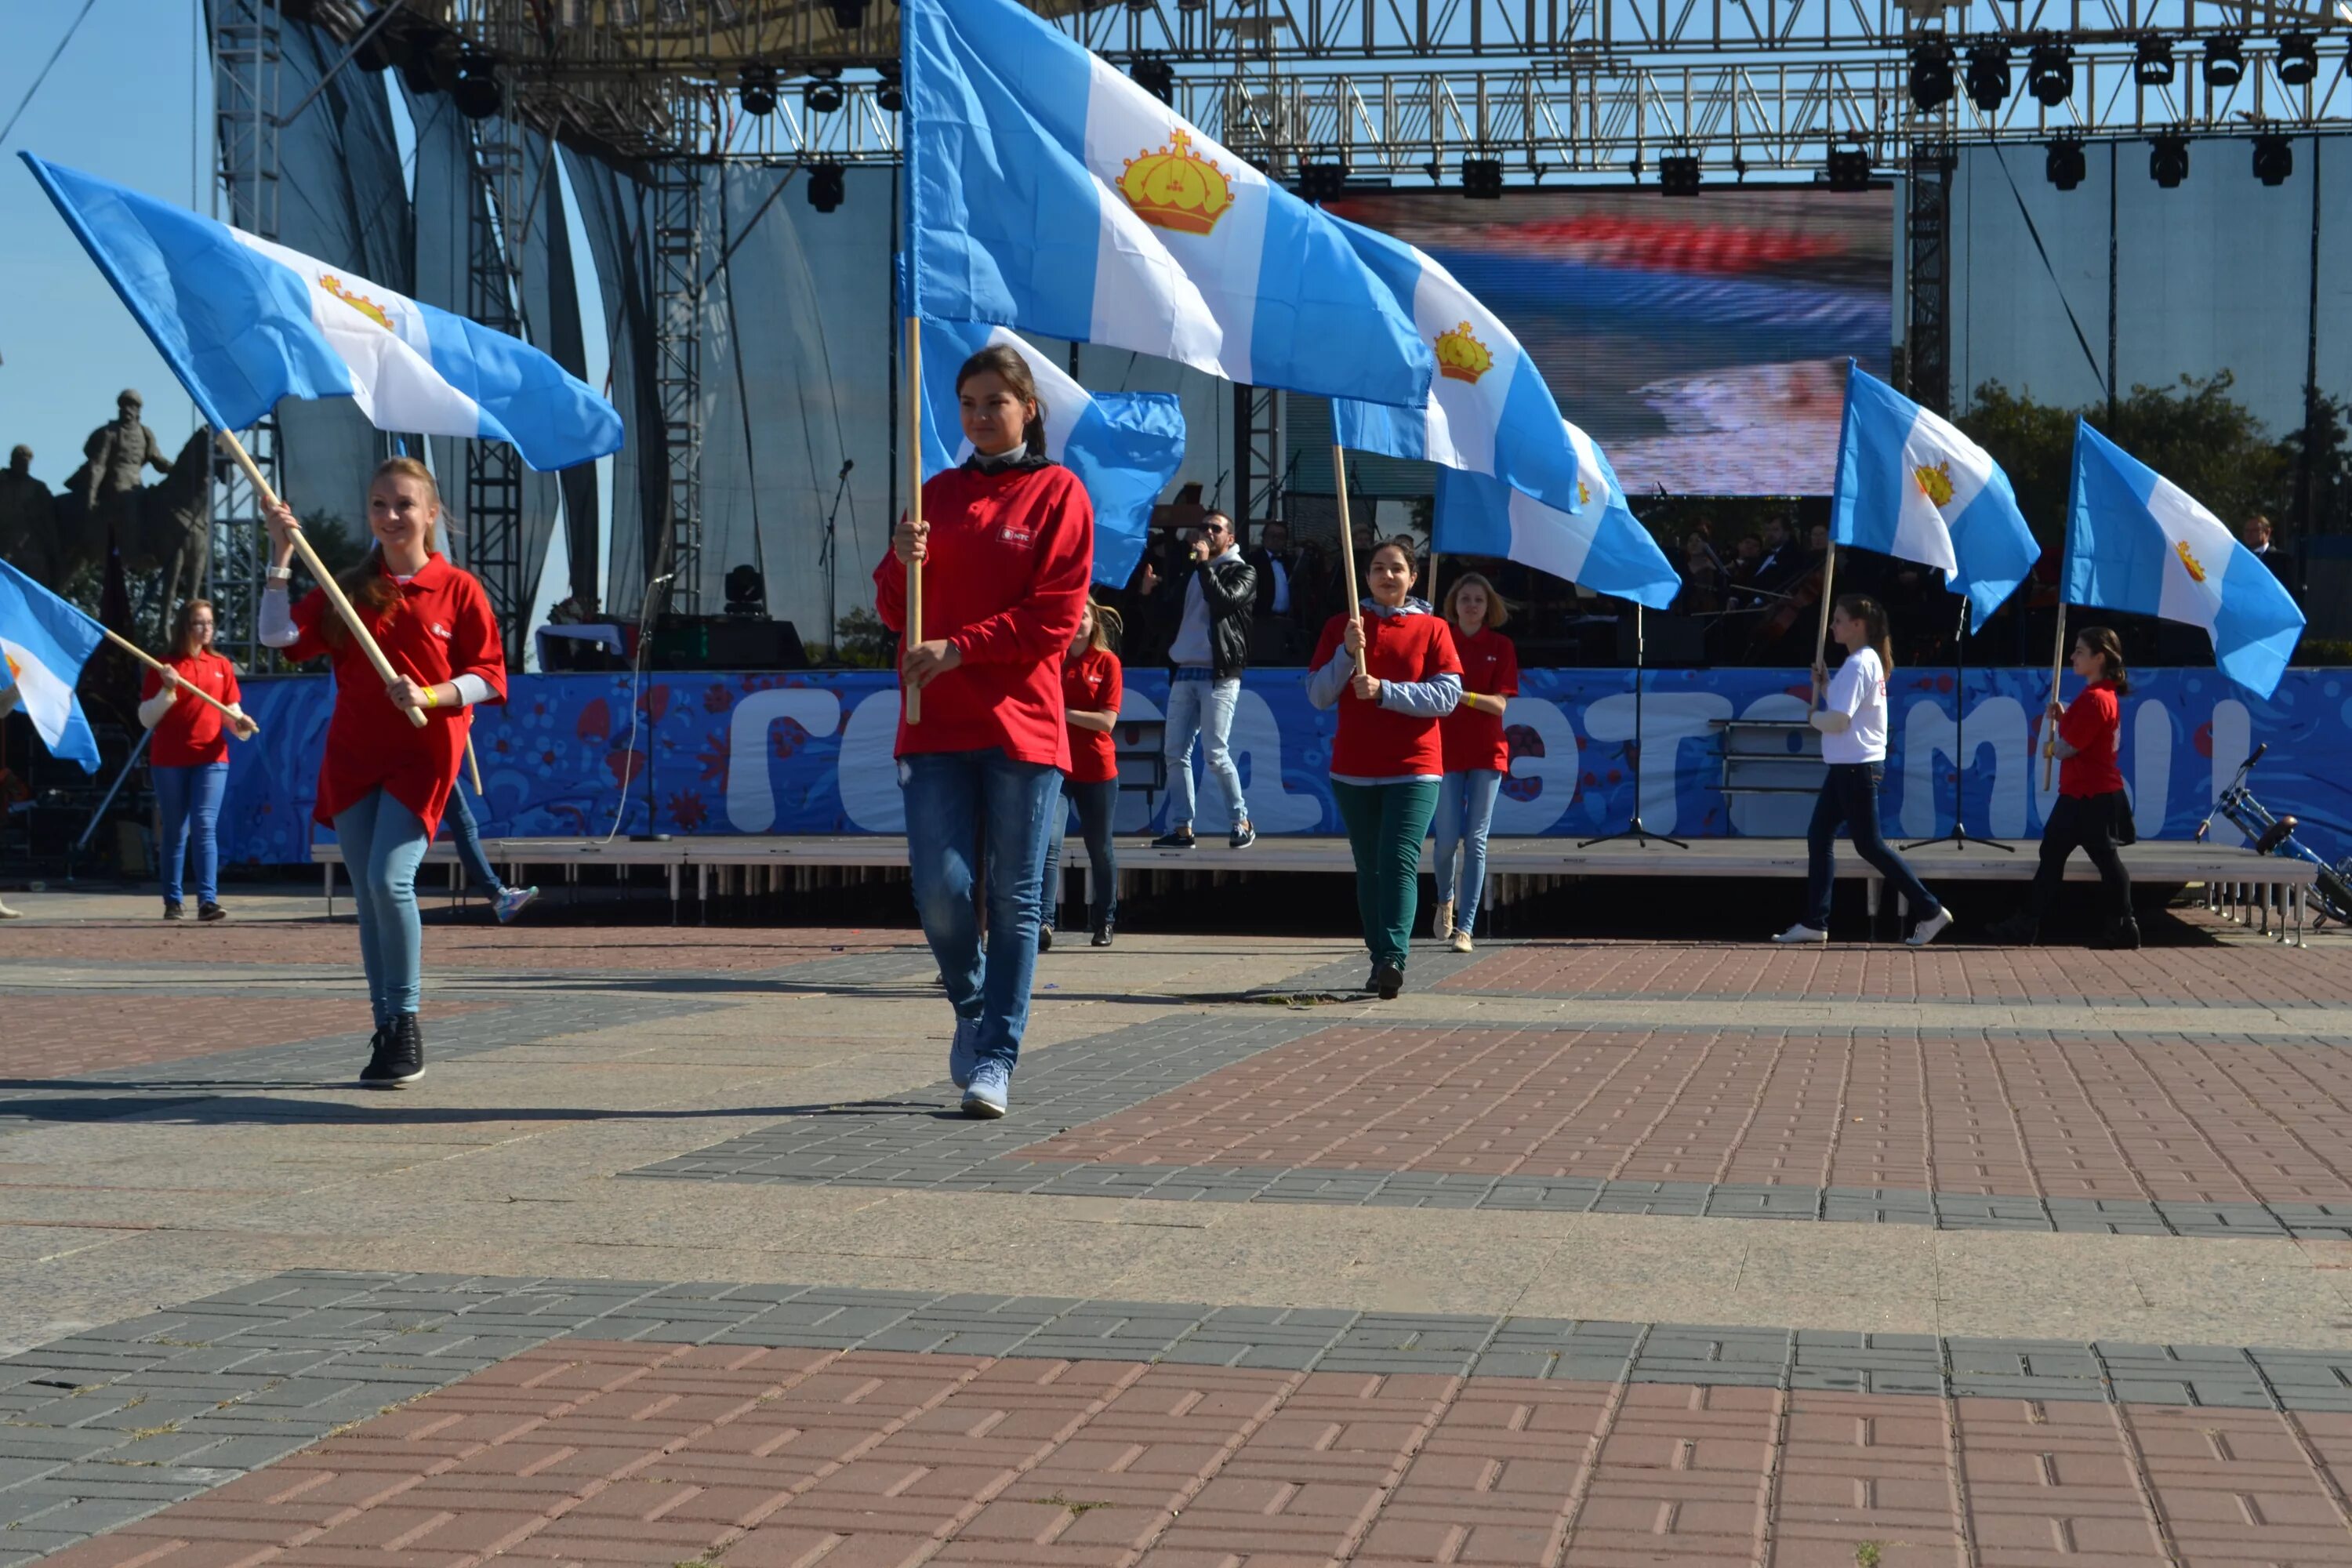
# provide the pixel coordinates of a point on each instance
(1461, 940)
(1931, 927)
(9, 914)
(991, 1092)
(963, 1052)
(511, 903)
(1800, 932)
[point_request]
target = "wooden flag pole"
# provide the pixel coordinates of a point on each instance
(2048, 730)
(151, 662)
(473, 766)
(1822, 630)
(326, 579)
(912, 700)
(1347, 534)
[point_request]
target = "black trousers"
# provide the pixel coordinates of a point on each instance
(2087, 823)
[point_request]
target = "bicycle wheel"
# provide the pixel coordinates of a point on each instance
(2333, 894)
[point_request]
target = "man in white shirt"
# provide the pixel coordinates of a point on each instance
(1204, 679)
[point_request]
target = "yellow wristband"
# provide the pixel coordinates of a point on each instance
(430, 700)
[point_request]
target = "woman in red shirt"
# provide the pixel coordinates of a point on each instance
(189, 759)
(1006, 549)
(1393, 674)
(383, 780)
(2092, 811)
(1477, 756)
(1091, 688)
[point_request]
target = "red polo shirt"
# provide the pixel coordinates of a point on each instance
(1092, 681)
(1005, 578)
(1490, 667)
(2092, 724)
(1376, 743)
(439, 628)
(192, 733)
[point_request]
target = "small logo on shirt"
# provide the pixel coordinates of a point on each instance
(439, 630)
(1014, 533)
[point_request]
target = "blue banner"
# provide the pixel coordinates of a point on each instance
(737, 753)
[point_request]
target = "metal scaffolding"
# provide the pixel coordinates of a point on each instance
(498, 217)
(247, 53)
(677, 375)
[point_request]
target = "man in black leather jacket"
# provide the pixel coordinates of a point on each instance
(1218, 592)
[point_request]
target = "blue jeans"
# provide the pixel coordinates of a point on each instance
(468, 835)
(969, 815)
(191, 799)
(1850, 797)
(1466, 809)
(1200, 706)
(1098, 803)
(383, 843)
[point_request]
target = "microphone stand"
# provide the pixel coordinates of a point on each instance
(825, 557)
(1636, 829)
(1960, 837)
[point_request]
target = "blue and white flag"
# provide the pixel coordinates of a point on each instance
(1487, 412)
(2137, 541)
(1046, 191)
(244, 322)
(1123, 446)
(44, 643)
(1598, 541)
(1911, 486)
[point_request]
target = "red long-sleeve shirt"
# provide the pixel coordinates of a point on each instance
(192, 733)
(1490, 667)
(1377, 743)
(2092, 725)
(1009, 557)
(440, 628)
(1092, 682)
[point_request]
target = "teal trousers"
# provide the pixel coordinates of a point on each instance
(1386, 824)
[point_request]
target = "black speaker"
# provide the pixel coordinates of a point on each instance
(1674, 642)
(727, 642)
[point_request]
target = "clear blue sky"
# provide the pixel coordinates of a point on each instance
(118, 104)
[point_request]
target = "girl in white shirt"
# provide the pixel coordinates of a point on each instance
(1853, 723)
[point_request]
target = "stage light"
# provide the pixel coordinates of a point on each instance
(1323, 179)
(477, 94)
(1931, 76)
(2167, 161)
(889, 95)
(849, 15)
(1987, 76)
(824, 95)
(1482, 179)
(2273, 159)
(828, 185)
(2064, 163)
(1678, 175)
(2298, 60)
(758, 89)
(2050, 73)
(1849, 168)
(2225, 62)
(430, 60)
(1155, 76)
(2152, 62)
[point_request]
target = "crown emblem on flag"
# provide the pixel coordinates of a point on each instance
(1176, 188)
(1583, 495)
(2196, 568)
(14, 670)
(1936, 480)
(1461, 357)
(359, 302)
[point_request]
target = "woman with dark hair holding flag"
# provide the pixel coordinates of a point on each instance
(1006, 549)
(2092, 812)
(385, 780)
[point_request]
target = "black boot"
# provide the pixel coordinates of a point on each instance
(2119, 933)
(2018, 930)
(1045, 936)
(1388, 980)
(1102, 931)
(399, 1058)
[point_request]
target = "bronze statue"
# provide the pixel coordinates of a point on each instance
(28, 535)
(164, 527)
(116, 457)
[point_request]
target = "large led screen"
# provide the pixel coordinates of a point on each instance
(1703, 342)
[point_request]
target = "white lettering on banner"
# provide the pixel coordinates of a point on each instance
(2151, 781)
(1996, 723)
(751, 788)
(868, 775)
(1775, 816)
(1667, 721)
(2232, 735)
(1255, 742)
(1135, 807)
(1556, 772)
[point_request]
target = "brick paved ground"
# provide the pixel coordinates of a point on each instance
(469, 945)
(55, 1037)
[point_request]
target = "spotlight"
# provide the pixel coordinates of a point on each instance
(2152, 62)
(2298, 60)
(2167, 161)
(1849, 168)
(1482, 179)
(477, 94)
(889, 95)
(1678, 175)
(849, 15)
(2064, 163)
(1323, 179)
(2273, 159)
(1155, 76)
(823, 95)
(828, 185)
(1987, 76)
(2225, 61)
(1931, 76)
(429, 64)
(2050, 73)
(377, 52)
(758, 89)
